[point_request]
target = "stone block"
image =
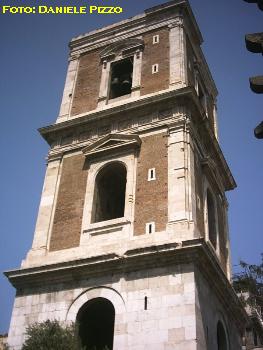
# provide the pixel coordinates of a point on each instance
(120, 341)
(171, 322)
(171, 300)
(190, 332)
(155, 337)
(134, 327)
(120, 328)
(175, 279)
(149, 325)
(176, 335)
(189, 320)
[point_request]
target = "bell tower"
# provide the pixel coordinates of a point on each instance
(131, 240)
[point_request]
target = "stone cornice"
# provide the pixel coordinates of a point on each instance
(50, 133)
(135, 25)
(96, 115)
(195, 251)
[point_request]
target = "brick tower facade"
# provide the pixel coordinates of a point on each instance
(131, 240)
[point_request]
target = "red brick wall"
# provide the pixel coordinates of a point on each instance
(151, 196)
(155, 53)
(88, 83)
(69, 208)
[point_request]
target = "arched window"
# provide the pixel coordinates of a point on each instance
(211, 218)
(95, 321)
(109, 193)
(222, 343)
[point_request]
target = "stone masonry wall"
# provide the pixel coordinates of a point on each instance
(151, 196)
(155, 53)
(87, 86)
(167, 323)
(209, 310)
(182, 309)
(69, 207)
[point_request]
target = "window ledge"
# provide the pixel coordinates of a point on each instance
(120, 98)
(107, 226)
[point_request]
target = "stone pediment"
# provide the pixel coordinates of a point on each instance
(123, 47)
(112, 143)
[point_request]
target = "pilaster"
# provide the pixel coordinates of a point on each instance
(177, 54)
(65, 107)
(104, 83)
(136, 78)
(179, 181)
(47, 204)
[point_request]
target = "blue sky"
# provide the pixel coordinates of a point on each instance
(33, 66)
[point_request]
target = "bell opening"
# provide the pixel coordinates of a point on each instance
(121, 78)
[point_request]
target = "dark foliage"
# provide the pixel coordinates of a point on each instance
(250, 281)
(50, 335)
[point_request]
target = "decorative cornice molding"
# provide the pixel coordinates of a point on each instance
(55, 156)
(133, 105)
(74, 56)
(80, 50)
(178, 125)
(135, 26)
(143, 120)
(177, 22)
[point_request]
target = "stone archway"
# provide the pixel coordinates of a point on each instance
(110, 296)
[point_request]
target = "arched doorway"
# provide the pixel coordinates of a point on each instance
(222, 343)
(95, 321)
(109, 193)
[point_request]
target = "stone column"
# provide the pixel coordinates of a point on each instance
(71, 77)
(177, 54)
